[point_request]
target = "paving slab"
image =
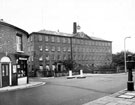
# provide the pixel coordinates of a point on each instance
(123, 97)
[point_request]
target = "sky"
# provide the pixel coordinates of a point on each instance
(112, 20)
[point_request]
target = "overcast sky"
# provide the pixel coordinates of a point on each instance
(111, 20)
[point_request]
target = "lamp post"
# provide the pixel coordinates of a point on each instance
(125, 52)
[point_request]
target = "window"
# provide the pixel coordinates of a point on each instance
(75, 49)
(96, 43)
(31, 38)
(53, 57)
(58, 57)
(73, 40)
(52, 39)
(41, 67)
(41, 58)
(31, 58)
(89, 42)
(84, 49)
(109, 44)
(47, 68)
(19, 42)
(64, 57)
(109, 50)
(78, 41)
(81, 41)
(46, 38)
(40, 48)
(69, 56)
(68, 40)
(32, 48)
(92, 43)
(64, 48)
(69, 49)
(80, 49)
(47, 57)
(29, 49)
(53, 48)
(58, 39)
(87, 49)
(46, 48)
(58, 49)
(40, 37)
(64, 40)
(22, 68)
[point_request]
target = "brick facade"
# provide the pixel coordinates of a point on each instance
(53, 46)
(8, 49)
(8, 38)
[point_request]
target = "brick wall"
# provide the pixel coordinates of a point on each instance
(8, 39)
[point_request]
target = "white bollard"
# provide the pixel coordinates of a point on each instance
(70, 75)
(81, 74)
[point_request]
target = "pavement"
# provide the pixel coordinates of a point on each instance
(123, 97)
(23, 86)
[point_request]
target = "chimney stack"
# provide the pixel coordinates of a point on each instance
(74, 28)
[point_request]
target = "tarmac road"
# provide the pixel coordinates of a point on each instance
(63, 91)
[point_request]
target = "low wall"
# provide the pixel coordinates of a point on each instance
(22, 80)
(105, 71)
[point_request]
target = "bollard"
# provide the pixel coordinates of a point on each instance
(70, 75)
(81, 75)
(130, 65)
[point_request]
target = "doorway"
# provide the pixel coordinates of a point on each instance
(5, 74)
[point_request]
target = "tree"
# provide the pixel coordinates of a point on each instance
(69, 64)
(118, 59)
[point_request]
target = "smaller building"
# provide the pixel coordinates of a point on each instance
(13, 55)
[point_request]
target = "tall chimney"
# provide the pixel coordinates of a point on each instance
(74, 28)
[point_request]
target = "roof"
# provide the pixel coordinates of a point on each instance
(90, 37)
(67, 34)
(95, 38)
(53, 33)
(7, 24)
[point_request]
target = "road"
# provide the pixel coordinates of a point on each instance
(63, 91)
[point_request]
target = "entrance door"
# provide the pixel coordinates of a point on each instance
(59, 67)
(5, 74)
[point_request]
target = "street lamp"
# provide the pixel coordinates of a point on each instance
(125, 52)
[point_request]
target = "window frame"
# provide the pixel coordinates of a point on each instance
(40, 38)
(19, 42)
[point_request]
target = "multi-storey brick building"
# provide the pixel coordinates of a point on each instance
(13, 55)
(91, 50)
(46, 48)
